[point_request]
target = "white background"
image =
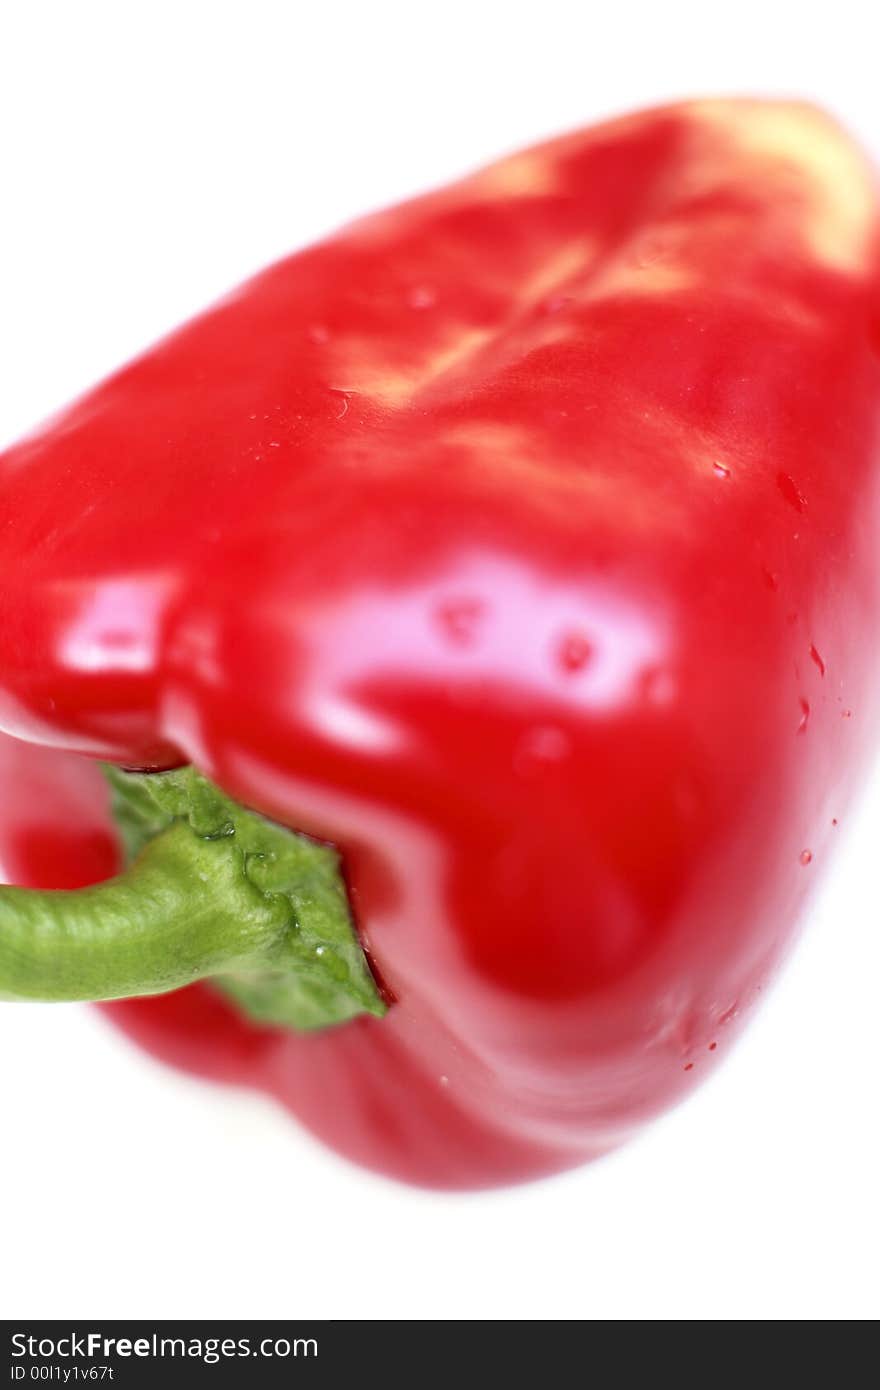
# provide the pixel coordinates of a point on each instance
(150, 156)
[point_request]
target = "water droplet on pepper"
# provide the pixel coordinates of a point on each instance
(791, 492)
(459, 618)
(575, 652)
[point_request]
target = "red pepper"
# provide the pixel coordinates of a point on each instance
(522, 542)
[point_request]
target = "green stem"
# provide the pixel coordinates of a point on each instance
(213, 891)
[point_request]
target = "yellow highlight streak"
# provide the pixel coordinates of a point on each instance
(528, 175)
(805, 154)
(395, 385)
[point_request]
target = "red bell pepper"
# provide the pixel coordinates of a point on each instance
(523, 544)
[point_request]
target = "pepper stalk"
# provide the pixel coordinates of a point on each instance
(212, 891)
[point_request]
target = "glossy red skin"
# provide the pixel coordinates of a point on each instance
(523, 542)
